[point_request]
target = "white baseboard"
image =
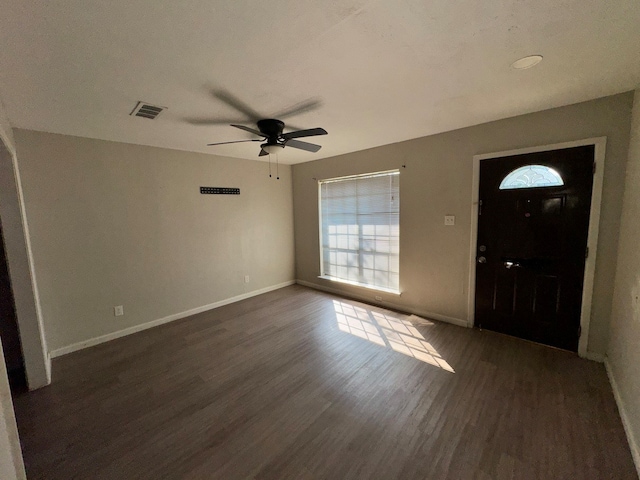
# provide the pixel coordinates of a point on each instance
(596, 357)
(402, 308)
(161, 321)
(633, 444)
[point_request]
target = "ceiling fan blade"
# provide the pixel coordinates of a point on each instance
(250, 130)
(235, 141)
(309, 147)
(304, 133)
(262, 153)
(238, 104)
(298, 108)
(211, 121)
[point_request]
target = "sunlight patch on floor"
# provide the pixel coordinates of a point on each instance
(388, 331)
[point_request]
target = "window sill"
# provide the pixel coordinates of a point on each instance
(361, 285)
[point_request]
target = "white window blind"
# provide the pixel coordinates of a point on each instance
(360, 230)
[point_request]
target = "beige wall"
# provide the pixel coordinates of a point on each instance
(119, 224)
(624, 348)
(434, 259)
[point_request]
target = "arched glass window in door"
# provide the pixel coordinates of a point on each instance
(531, 176)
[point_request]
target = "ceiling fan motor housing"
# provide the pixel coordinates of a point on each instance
(272, 128)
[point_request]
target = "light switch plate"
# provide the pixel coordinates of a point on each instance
(449, 219)
(118, 310)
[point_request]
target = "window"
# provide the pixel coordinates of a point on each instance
(532, 176)
(360, 230)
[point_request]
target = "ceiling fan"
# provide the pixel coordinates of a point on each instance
(271, 132)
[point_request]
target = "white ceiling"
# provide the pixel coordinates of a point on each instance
(384, 71)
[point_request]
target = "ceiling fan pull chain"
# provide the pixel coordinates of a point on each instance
(277, 169)
(269, 165)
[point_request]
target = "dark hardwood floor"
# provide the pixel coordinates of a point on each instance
(300, 384)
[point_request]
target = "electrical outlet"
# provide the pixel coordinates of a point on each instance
(118, 310)
(449, 220)
(246, 279)
(378, 298)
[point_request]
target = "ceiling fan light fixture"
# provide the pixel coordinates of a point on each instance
(272, 148)
(526, 62)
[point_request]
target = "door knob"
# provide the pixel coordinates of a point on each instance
(482, 248)
(482, 260)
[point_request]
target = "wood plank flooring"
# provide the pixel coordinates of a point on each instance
(300, 384)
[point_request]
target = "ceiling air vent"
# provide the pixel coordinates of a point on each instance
(146, 110)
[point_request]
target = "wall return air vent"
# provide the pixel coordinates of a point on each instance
(146, 110)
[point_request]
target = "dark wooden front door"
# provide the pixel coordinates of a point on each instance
(532, 244)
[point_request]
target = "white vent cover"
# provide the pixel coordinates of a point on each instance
(146, 110)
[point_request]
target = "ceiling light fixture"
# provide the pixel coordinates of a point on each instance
(272, 148)
(527, 62)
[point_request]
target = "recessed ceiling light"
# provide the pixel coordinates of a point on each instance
(527, 62)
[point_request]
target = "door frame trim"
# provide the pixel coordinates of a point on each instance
(37, 361)
(600, 144)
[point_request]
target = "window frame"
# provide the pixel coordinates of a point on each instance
(323, 274)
